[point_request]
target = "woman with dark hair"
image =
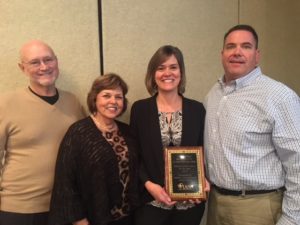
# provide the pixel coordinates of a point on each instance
(165, 119)
(95, 177)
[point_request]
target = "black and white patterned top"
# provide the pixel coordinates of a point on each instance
(171, 132)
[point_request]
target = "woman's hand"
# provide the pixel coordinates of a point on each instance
(82, 222)
(158, 193)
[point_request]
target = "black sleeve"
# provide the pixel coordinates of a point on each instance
(135, 117)
(66, 204)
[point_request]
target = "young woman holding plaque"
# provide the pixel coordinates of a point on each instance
(165, 119)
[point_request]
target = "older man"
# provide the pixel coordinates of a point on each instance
(252, 140)
(33, 121)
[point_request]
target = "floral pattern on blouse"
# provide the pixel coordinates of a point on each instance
(171, 132)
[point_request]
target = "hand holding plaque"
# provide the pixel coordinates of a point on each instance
(184, 173)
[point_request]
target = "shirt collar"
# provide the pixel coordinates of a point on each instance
(243, 81)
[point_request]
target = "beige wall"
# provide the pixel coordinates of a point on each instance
(134, 29)
(70, 27)
(277, 23)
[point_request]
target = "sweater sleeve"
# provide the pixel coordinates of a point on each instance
(66, 203)
(3, 134)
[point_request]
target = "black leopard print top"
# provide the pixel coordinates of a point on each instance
(95, 177)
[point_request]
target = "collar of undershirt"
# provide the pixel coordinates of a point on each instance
(49, 99)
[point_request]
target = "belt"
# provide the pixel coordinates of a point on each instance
(224, 191)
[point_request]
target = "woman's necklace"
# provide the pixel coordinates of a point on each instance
(104, 127)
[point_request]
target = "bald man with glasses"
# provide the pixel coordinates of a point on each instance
(33, 121)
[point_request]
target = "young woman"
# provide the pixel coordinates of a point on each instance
(165, 119)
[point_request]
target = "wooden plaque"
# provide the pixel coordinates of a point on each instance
(184, 173)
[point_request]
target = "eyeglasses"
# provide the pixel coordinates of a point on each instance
(36, 63)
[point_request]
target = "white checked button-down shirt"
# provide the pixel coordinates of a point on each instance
(252, 138)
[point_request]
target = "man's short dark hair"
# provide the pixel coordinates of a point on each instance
(243, 27)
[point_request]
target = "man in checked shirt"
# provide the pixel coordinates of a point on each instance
(252, 140)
